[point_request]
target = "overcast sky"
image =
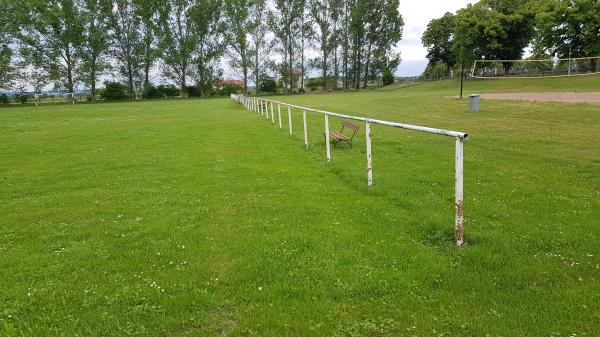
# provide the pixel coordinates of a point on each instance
(417, 14)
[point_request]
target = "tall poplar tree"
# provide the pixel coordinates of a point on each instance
(51, 33)
(239, 24)
(258, 30)
(209, 28)
(127, 44)
(94, 47)
(178, 41)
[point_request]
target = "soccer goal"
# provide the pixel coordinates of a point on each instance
(495, 69)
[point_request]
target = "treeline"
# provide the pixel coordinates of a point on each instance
(71, 43)
(503, 29)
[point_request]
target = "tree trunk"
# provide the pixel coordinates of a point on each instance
(324, 68)
(346, 45)
(367, 64)
(69, 70)
(183, 82)
(291, 60)
(256, 75)
(245, 71)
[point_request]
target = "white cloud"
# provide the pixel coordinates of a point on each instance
(416, 15)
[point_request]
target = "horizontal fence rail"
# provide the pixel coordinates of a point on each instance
(261, 106)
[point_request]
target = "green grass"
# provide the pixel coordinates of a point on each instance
(198, 218)
(589, 83)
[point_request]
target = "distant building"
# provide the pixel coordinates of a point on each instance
(297, 78)
(223, 83)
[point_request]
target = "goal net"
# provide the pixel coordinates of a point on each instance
(536, 68)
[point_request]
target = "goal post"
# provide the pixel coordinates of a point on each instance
(497, 69)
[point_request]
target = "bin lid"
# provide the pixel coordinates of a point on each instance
(474, 95)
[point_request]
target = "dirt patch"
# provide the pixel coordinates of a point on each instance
(565, 97)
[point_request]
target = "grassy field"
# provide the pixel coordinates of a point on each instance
(199, 218)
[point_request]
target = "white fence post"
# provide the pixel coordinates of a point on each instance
(290, 119)
(261, 106)
(272, 114)
(305, 129)
(279, 114)
(369, 155)
(327, 144)
(266, 103)
(459, 198)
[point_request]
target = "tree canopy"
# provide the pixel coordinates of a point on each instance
(503, 29)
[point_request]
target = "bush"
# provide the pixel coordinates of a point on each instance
(268, 85)
(313, 84)
(388, 77)
(229, 89)
(152, 92)
(4, 99)
(168, 90)
(22, 97)
(193, 91)
(162, 91)
(114, 91)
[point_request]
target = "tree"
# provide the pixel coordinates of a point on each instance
(375, 28)
(209, 29)
(149, 12)
(287, 23)
(51, 33)
(8, 22)
(127, 43)
(178, 41)
(439, 41)
(494, 29)
(257, 31)
(94, 47)
(239, 23)
(568, 28)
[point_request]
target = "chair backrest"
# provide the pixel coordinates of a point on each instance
(350, 126)
(353, 127)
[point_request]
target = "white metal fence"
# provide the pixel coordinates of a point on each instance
(262, 106)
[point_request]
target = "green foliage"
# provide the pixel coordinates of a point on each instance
(494, 29)
(267, 85)
(50, 34)
(439, 40)
(22, 97)
(163, 91)
(209, 27)
(314, 83)
(375, 27)
(6, 67)
(4, 99)
(114, 91)
(229, 89)
(94, 47)
(388, 77)
(128, 42)
(568, 28)
(439, 69)
(178, 42)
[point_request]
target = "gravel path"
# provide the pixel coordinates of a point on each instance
(566, 97)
